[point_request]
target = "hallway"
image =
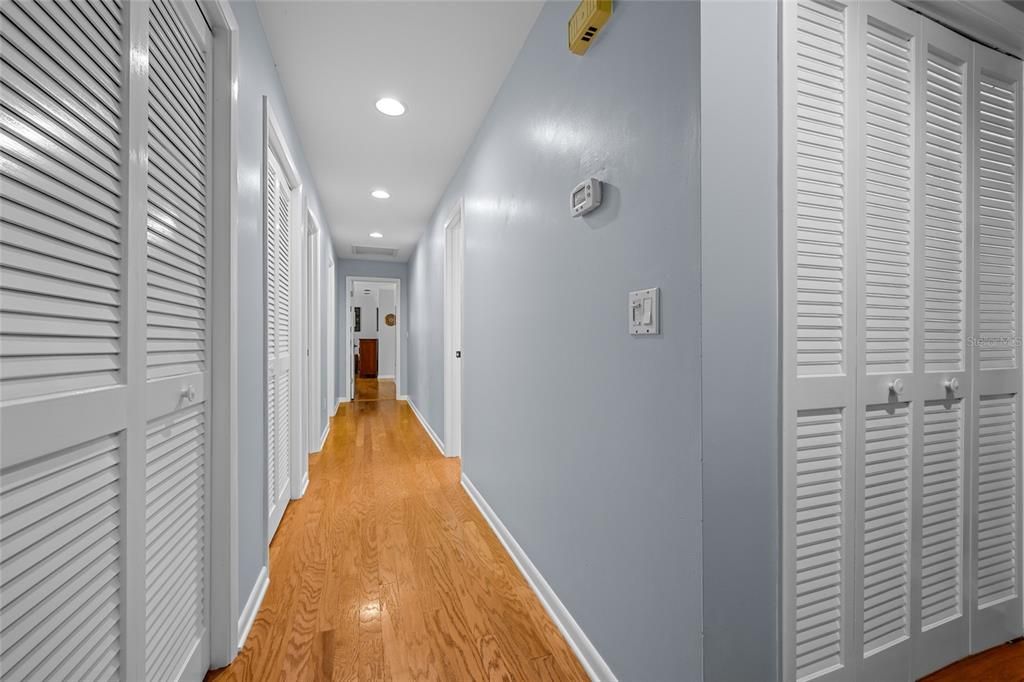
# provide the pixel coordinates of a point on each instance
(386, 570)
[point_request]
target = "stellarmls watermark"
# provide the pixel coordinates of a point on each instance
(989, 341)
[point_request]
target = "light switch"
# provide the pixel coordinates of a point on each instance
(643, 312)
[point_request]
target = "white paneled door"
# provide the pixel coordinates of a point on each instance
(902, 151)
(103, 346)
(279, 337)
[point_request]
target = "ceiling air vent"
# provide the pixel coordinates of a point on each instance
(374, 251)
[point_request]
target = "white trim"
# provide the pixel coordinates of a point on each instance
(385, 376)
(997, 24)
(403, 397)
(585, 651)
(223, 530)
(323, 438)
(304, 486)
(313, 284)
(339, 401)
(349, 369)
(425, 425)
(252, 607)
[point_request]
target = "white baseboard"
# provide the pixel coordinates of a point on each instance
(589, 657)
(252, 606)
(342, 399)
(403, 397)
(385, 376)
(426, 426)
(305, 485)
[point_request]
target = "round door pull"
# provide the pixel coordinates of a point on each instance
(189, 393)
(953, 384)
(896, 386)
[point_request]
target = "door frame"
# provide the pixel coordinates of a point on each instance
(332, 340)
(453, 420)
(222, 569)
(273, 140)
(312, 371)
(349, 368)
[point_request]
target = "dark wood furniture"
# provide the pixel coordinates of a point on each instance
(368, 358)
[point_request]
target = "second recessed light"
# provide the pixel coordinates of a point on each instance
(390, 106)
(380, 194)
(376, 235)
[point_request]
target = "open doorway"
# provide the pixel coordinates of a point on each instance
(374, 334)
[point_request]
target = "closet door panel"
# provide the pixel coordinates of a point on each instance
(820, 431)
(995, 452)
(177, 343)
(64, 371)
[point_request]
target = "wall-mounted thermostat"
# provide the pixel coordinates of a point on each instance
(643, 312)
(585, 197)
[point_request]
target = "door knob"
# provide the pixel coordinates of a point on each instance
(953, 385)
(458, 353)
(189, 393)
(896, 386)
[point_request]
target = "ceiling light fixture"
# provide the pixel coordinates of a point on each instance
(390, 106)
(376, 235)
(380, 194)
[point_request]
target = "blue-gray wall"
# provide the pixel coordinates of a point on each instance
(257, 76)
(583, 439)
(740, 334)
(368, 268)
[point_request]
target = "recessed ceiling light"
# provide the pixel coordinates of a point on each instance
(380, 194)
(376, 235)
(390, 106)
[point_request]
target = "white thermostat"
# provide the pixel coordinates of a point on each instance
(585, 197)
(643, 312)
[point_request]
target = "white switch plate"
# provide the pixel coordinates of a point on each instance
(643, 314)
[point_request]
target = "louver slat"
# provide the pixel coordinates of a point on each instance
(176, 225)
(997, 222)
(821, 237)
(886, 526)
(996, 500)
(60, 215)
(888, 190)
(942, 519)
(59, 607)
(944, 215)
(820, 546)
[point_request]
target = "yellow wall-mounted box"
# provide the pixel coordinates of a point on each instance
(589, 18)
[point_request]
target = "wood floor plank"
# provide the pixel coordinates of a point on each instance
(386, 570)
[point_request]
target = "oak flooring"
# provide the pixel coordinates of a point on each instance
(375, 389)
(1000, 664)
(385, 570)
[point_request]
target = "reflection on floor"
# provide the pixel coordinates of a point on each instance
(1002, 664)
(375, 389)
(385, 570)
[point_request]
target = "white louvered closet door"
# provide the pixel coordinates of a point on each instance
(278, 282)
(177, 342)
(996, 447)
(902, 420)
(64, 394)
(942, 252)
(821, 269)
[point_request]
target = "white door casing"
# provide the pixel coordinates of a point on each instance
(901, 480)
(454, 240)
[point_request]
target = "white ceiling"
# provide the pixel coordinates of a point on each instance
(444, 60)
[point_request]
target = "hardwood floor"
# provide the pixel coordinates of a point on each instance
(375, 389)
(1002, 664)
(385, 570)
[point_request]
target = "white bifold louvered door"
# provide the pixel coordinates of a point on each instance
(901, 376)
(278, 284)
(177, 343)
(104, 122)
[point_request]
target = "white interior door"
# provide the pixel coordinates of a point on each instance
(279, 365)
(103, 345)
(313, 369)
(177, 343)
(454, 255)
(901, 435)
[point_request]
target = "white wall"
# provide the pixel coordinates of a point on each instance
(387, 335)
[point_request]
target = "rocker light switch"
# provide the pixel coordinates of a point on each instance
(643, 312)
